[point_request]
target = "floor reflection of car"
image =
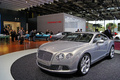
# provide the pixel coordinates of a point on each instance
(59, 35)
(75, 52)
(39, 35)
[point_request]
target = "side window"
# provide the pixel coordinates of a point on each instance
(104, 37)
(100, 37)
(97, 37)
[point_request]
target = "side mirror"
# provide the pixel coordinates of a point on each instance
(100, 41)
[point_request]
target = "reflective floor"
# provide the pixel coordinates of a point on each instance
(8, 47)
(17, 51)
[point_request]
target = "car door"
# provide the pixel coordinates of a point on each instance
(99, 48)
(105, 44)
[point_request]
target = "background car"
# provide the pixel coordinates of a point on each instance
(58, 35)
(42, 35)
(74, 53)
(117, 36)
(39, 35)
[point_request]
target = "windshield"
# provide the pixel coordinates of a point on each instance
(78, 37)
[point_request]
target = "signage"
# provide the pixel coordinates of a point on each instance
(54, 22)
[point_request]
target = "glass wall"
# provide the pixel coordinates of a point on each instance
(73, 23)
(105, 22)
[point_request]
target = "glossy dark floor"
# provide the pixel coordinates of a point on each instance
(8, 47)
(25, 68)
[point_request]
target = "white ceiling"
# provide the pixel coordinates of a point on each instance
(21, 4)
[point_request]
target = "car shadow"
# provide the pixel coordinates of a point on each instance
(58, 74)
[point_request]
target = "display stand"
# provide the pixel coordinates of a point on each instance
(117, 46)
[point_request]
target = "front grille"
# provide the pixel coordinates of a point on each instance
(44, 55)
(53, 67)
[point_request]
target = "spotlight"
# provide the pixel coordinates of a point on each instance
(26, 1)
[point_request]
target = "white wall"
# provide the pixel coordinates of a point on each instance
(72, 23)
(14, 25)
(60, 22)
(53, 22)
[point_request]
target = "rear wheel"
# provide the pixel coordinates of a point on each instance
(111, 52)
(84, 64)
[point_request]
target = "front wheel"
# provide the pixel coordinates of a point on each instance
(111, 52)
(84, 64)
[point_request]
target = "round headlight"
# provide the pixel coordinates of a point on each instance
(60, 56)
(69, 55)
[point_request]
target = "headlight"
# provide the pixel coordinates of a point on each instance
(69, 55)
(60, 56)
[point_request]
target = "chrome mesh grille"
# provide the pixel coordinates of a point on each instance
(44, 55)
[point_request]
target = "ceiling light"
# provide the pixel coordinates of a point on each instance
(26, 1)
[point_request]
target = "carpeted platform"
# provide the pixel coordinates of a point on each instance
(25, 68)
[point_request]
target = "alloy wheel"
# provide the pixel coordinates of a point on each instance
(85, 64)
(112, 52)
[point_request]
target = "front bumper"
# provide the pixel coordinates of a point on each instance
(56, 68)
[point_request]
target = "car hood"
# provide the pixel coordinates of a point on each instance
(59, 46)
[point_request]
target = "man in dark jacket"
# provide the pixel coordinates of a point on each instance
(13, 33)
(108, 32)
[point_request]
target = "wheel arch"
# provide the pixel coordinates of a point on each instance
(78, 69)
(82, 56)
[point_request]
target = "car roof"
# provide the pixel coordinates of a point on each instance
(89, 32)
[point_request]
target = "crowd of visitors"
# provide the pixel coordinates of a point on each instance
(32, 35)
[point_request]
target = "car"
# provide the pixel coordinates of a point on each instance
(75, 52)
(58, 35)
(42, 35)
(117, 36)
(39, 35)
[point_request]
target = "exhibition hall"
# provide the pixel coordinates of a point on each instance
(59, 39)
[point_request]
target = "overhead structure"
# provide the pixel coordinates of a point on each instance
(88, 9)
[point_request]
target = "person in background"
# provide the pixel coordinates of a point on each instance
(51, 33)
(22, 33)
(47, 31)
(77, 30)
(34, 35)
(19, 34)
(80, 30)
(26, 32)
(31, 36)
(96, 30)
(4, 31)
(13, 35)
(7, 32)
(108, 32)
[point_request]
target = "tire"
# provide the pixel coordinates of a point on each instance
(111, 52)
(84, 65)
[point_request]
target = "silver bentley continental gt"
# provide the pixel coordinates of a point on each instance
(75, 52)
